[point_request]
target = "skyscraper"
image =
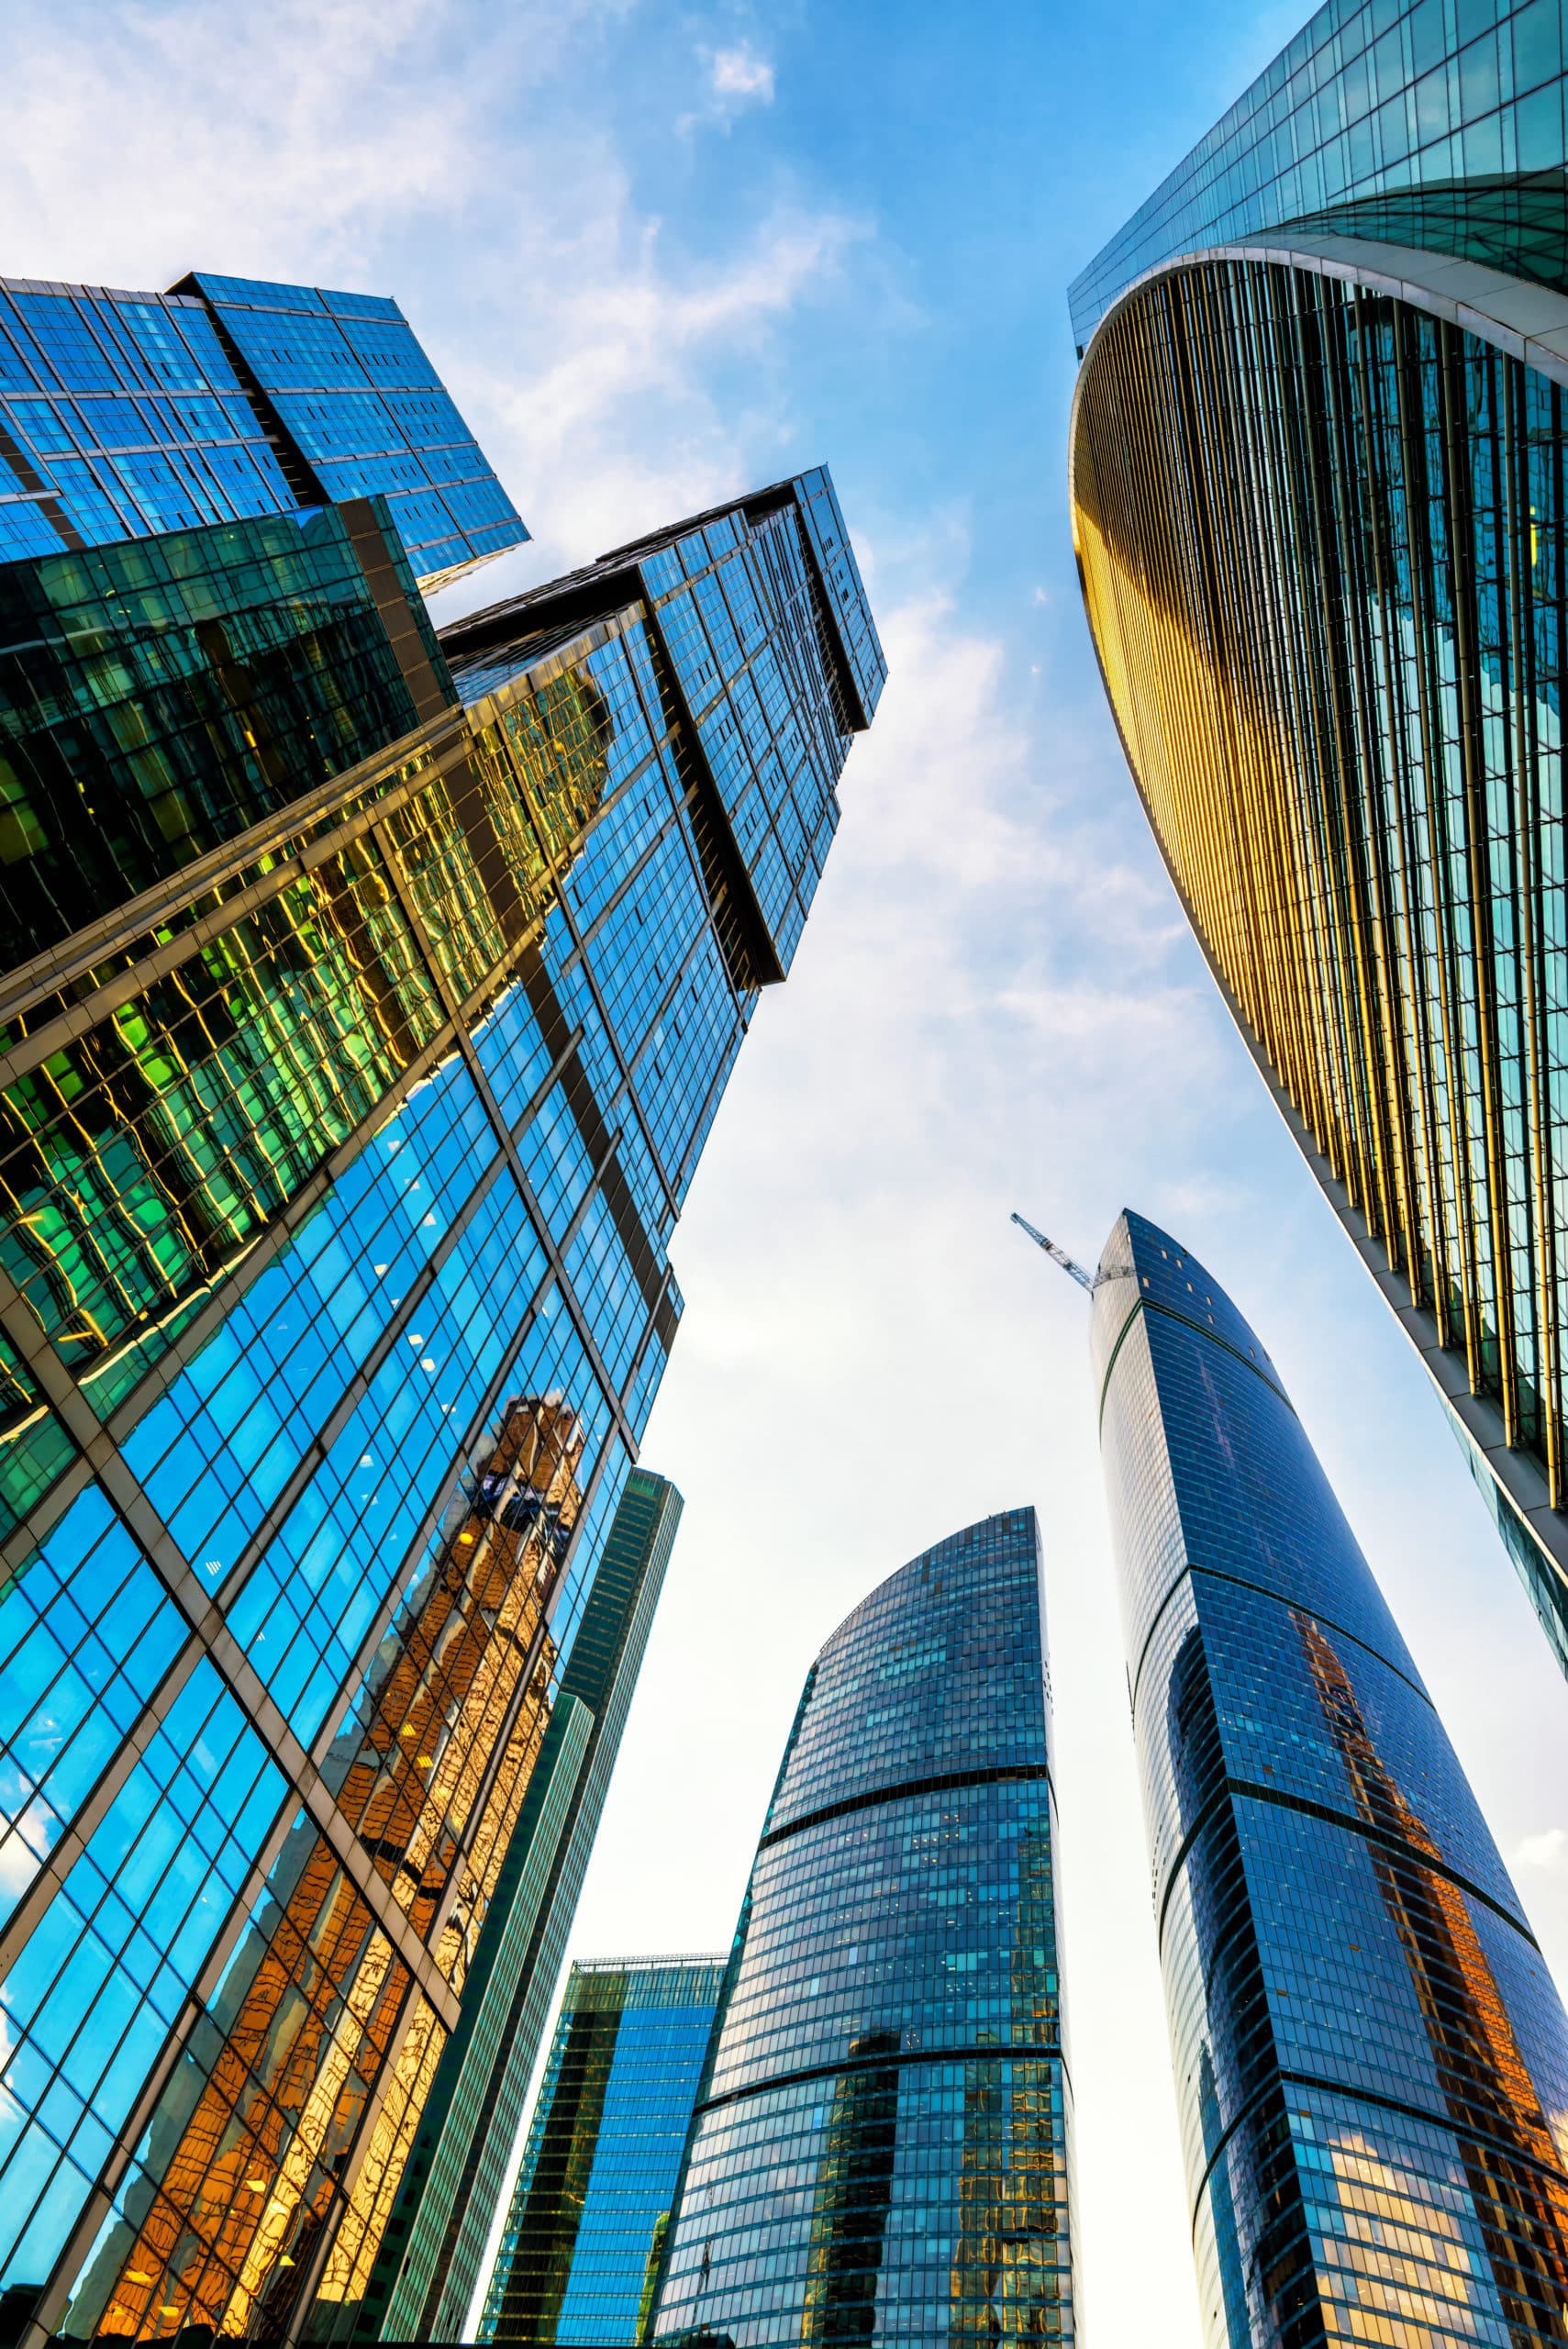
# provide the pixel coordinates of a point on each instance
(1318, 454)
(367, 1001)
(1370, 2058)
(588, 2224)
(882, 2142)
(127, 415)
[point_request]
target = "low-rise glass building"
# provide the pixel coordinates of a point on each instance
(881, 2146)
(1371, 2056)
(581, 2253)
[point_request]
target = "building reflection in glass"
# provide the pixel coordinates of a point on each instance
(1372, 2061)
(243, 2159)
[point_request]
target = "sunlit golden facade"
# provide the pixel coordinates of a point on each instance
(432, 1775)
(1323, 544)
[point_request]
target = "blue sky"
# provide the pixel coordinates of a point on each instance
(662, 254)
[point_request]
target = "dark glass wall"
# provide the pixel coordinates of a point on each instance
(881, 2148)
(1370, 2058)
(592, 2200)
(160, 695)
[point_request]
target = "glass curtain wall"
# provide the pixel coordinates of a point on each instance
(1371, 2057)
(592, 2208)
(338, 1172)
(881, 2141)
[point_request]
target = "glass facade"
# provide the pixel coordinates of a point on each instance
(1322, 529)
(339, 1170)
(1452, 109)
(1371, 2057)
(881, 2147)
(428, 2268)
(160, 695)
(131, 415)
(588, 2220)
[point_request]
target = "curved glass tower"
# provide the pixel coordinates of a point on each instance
(881, 2146)
(1372, 2062)
(1319, 454)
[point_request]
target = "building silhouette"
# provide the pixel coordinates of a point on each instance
(1317, 466)
(1371, 2057)
(369, 996)
(881, 2143)
(591, 2211)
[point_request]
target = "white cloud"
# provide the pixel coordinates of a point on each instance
(740, 73)
(435, 149)
(738, 77)
(1547, 1849)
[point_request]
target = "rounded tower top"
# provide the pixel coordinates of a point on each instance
(1140, 1264)
(939, 1670)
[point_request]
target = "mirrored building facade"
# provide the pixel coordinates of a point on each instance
(128, 416)
(339, 1154)
(1317, 461)
(881, 2147)
(579, 2256)
(1371, 2057)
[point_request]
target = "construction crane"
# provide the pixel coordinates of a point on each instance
(1058, 1255)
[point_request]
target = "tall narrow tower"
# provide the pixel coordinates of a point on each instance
(1372, 2062)
(881, 2146)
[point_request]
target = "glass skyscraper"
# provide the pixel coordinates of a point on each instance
(588, 2220)
(127, 415)
(367, 1000)
(881, 2145)
(1370, 2058)
(1319, 486)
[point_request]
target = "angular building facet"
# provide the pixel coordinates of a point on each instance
(127, 415)
(881, 2146)
(1319, 455)
(1371, 2057)
(367, 1000)
(579, 2256)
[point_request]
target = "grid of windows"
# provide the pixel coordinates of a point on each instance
(580, 2251)
(335, 1182)
(1324, 539)
(363, 407)
(1319, 517)
(174, 691)
(1421, 99)
(882, 2144)
(129, 414)
(1370, 2054)
(423, 2281)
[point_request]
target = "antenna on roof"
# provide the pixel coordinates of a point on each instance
(1058, 1255)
